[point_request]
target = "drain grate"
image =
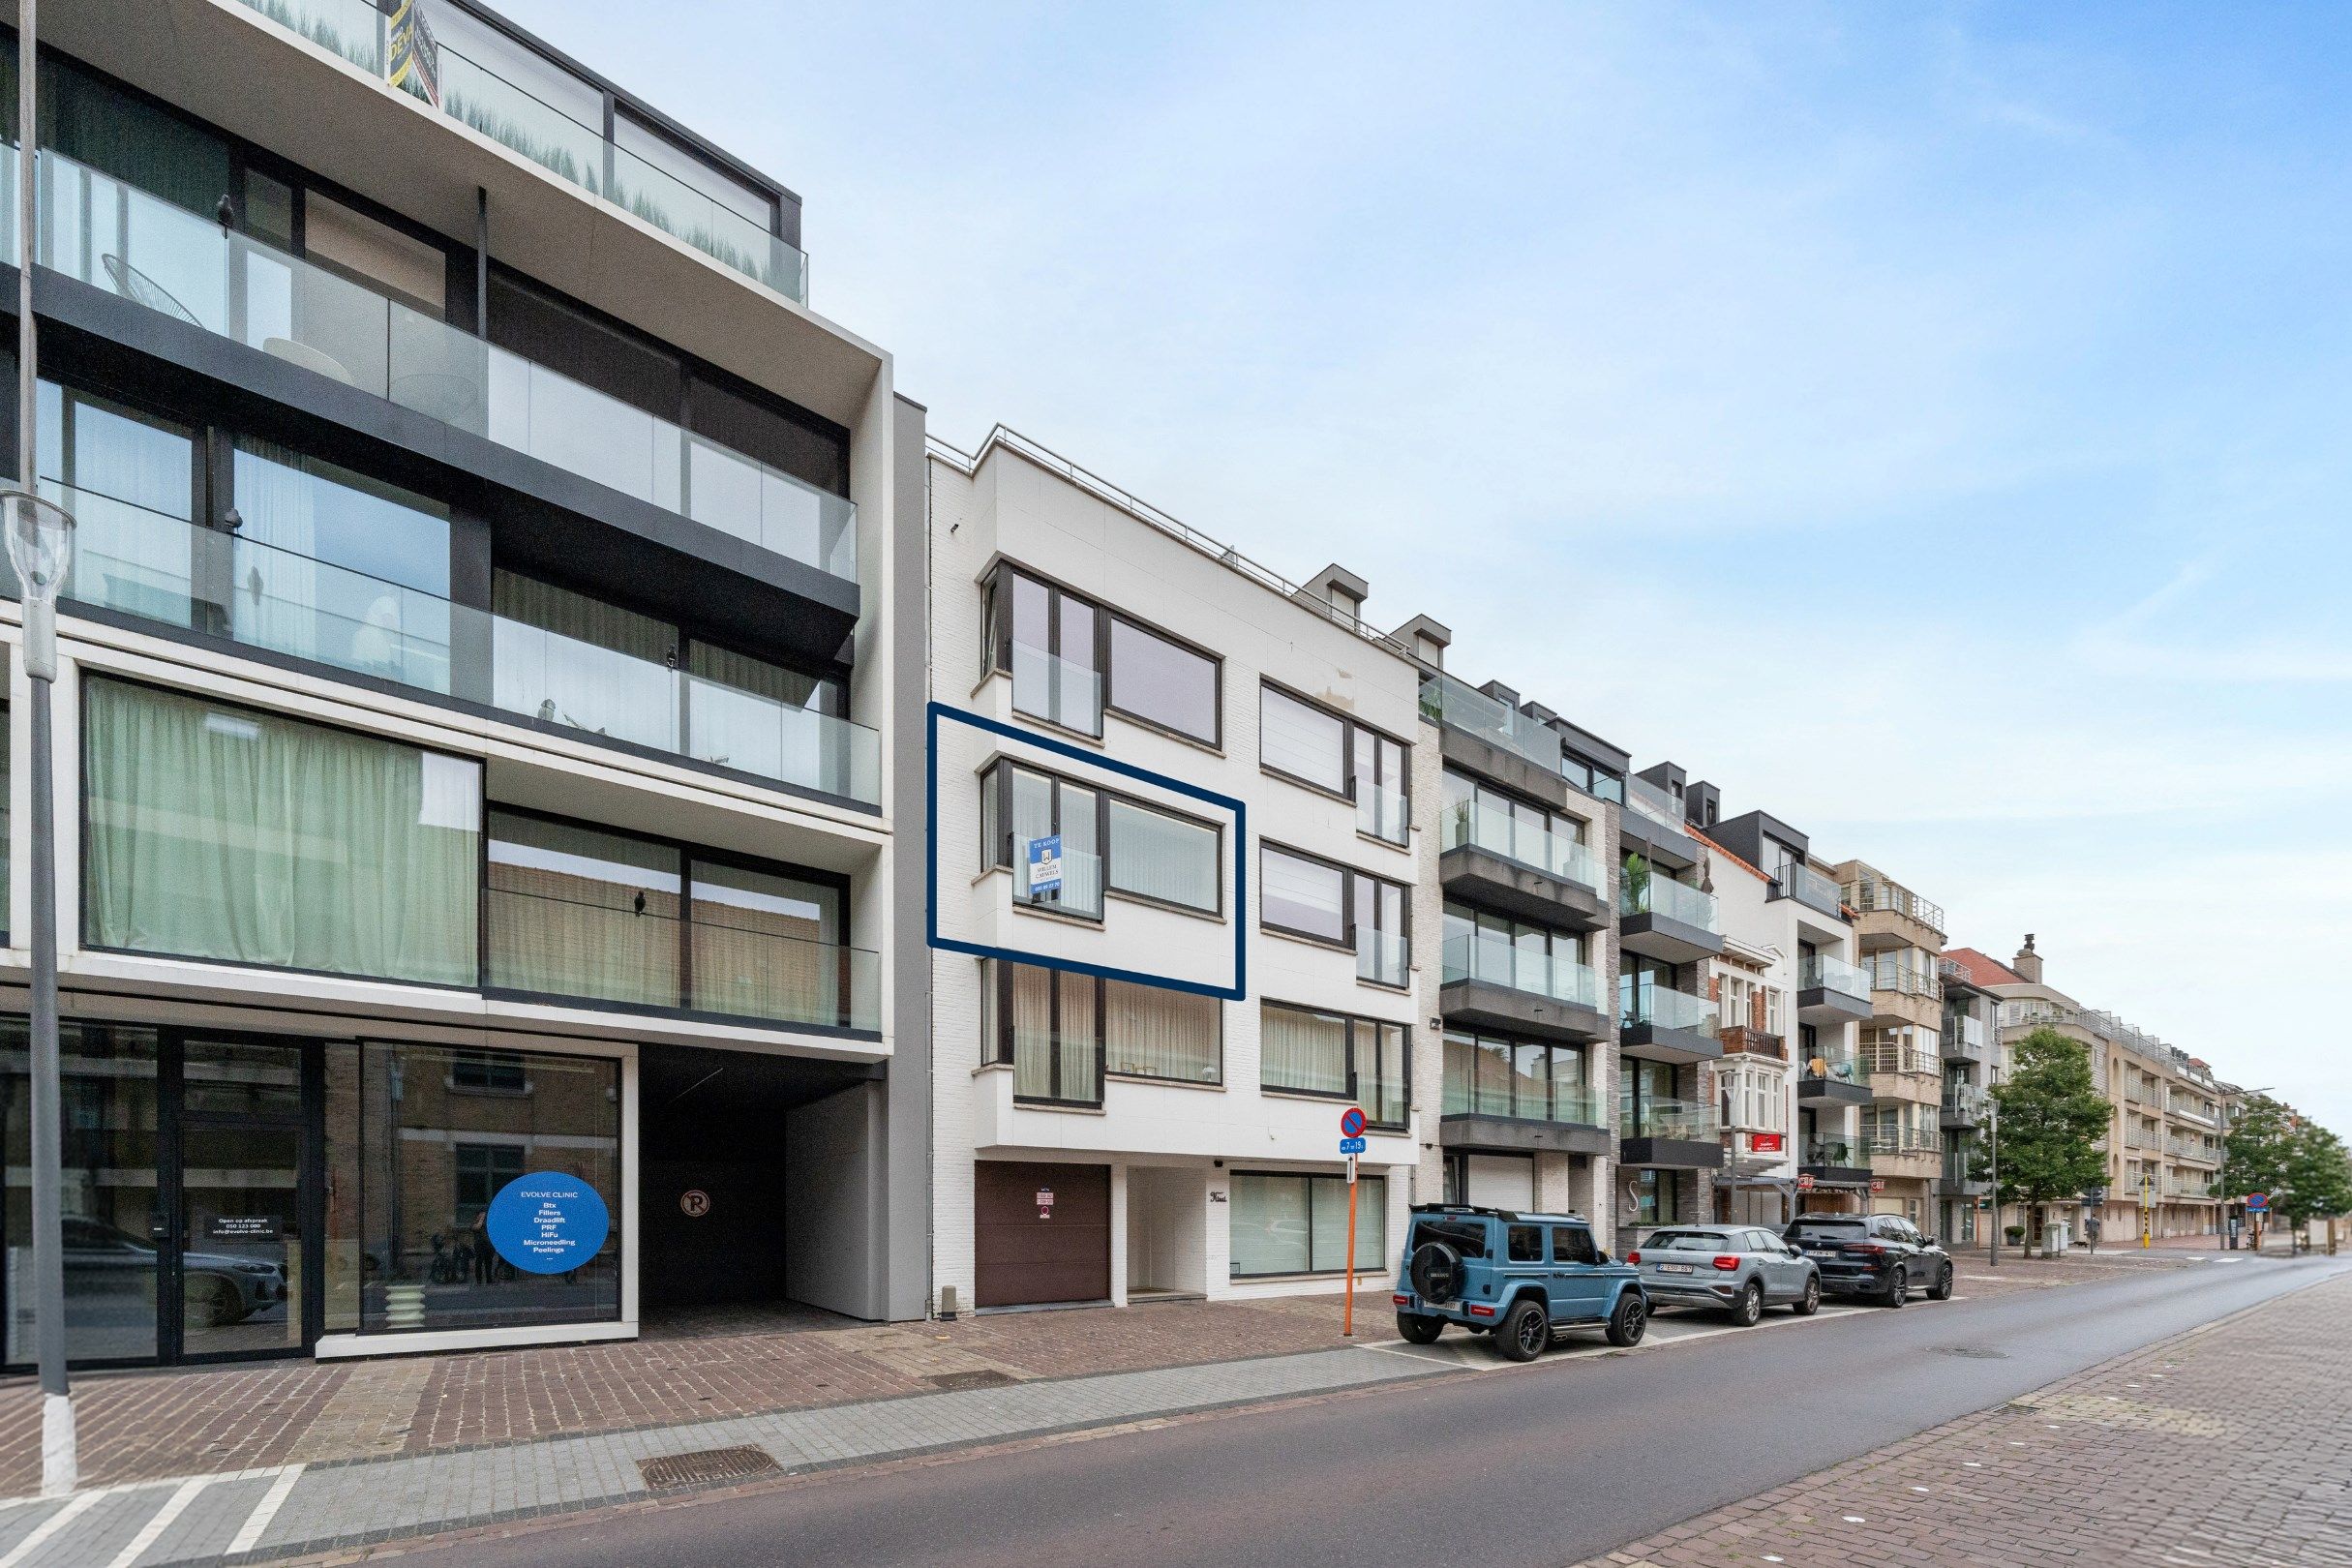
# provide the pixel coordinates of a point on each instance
(1976, 1353)
(707, 1464)
(985, 1377)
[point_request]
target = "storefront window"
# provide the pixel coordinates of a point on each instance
(443, 1133)
(1285, 1223)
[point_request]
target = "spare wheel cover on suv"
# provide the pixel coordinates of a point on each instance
(1437, 1272)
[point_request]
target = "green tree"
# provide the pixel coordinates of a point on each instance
(2254, 1156)
(2052, 1117)
(2318, 1177)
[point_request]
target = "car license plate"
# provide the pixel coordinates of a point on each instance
(1674, 1268)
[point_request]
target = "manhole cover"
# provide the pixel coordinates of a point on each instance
(704, 1466)
(1976, 1353)
(983, 1379)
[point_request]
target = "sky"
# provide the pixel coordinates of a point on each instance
(1927, 423)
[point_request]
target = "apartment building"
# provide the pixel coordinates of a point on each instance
(1899, 937)
(2164, 1143)
(496, 593)
(1524, 874)
(1789, 995)
(1970, 1040)
(1180, 811)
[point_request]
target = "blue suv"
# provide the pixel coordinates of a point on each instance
(1521, 1277)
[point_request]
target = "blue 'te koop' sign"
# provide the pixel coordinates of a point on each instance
(1045, 863)
(548, 1222)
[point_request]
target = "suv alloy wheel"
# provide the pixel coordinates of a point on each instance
(1750, 1311)
(1941, 1289)
(1526, 1331)
(1899, 1291)
(1630, 1319)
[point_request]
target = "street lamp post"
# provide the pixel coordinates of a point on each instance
(39, 537)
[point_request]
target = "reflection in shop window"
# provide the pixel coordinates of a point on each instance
(436, 1151)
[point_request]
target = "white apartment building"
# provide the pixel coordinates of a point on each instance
(1107, 1125)
(496, 593)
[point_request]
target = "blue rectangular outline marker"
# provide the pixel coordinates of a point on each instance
(1238, 991)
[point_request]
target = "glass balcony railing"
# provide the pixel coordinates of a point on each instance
(1966, 1103)
(139, 562)
(1837, 1066)
(1385, 814)
(1655, 895)
(1665, 1009)
(1057, 689)
(1822, 972)
(101, 231)
(1459, 705)
(1686, 1119)
(1656, 804)
(1081, 889)
(1810, 887)
(716, 961)
(1495, 960)
(1478, 825)
(580, 153)
(1383, 957)
(1851, 1153)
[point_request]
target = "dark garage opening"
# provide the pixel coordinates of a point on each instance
(742, 1157)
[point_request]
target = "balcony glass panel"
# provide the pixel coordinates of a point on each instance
(113, 236)
(1057, 689)
(1808, 887)
(775, 739)
(1459, 705)
(1656, 894)
(1684, 1119)
(1483, 825)
(1837, 1066)
(764, 945)
(1854, 1153)
(1655, 803)
(1382, 957)
(1383, 813)
(1646, 1002)
(1823, 972)
(1495, 960)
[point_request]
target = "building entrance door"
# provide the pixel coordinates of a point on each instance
(240, 1257)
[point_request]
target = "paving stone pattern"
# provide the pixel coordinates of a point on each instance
(2230, 1447)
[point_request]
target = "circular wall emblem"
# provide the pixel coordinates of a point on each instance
(548, 1222)
(694, 1202)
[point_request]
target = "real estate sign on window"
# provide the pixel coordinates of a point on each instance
(1045, 863)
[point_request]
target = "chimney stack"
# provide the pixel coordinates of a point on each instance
(2027, 962)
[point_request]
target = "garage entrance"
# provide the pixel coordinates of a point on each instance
(1040, 1233)
(723, 1197)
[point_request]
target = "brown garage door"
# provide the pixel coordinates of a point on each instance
(1023, 1260)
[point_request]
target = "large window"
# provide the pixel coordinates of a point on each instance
(1312, 1052)
(1106, 840)
(1303, 740)
(1047, 1026)
(1071, 659)
(1161, 682)
(1285, 1223)
(1173, 859)
(1151, 1031)
(435, 1151)
(1487, 1075)
(226, 833)
(1324, 902)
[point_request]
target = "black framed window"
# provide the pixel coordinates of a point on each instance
(1047, 1026)
(1164, 683)
(1324, 901)
(1530, 1080)
(1286, 1222)
(1072, 660)
(1108, 841)
(1308, 744)
(1313, 1051)
(488, 1073)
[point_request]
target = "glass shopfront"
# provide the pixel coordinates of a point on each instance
(232, 1195)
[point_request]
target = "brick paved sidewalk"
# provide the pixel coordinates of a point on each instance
(696, 1367)
(2227, 1447)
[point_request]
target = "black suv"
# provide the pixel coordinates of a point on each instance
(1879, 1255)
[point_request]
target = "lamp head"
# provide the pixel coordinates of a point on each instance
(40, 542)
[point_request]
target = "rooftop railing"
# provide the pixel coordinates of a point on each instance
(1873, 895)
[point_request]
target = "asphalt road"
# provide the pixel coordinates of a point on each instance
(1548, 1463)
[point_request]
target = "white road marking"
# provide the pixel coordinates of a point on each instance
(153, 1531)
(72, 1511)
(249, 1535)
(261, 1473)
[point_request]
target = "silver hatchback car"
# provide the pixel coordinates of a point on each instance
(1735, 1269)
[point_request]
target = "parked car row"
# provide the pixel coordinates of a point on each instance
(1526, 1277)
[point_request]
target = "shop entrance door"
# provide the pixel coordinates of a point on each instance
(240, 1199)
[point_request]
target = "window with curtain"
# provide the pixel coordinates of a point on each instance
(230, 833)
(1043, 806)
(564, 658)
(1151, 1031)
(335, 567)
(579, 912)
(129, 479)
(1047, 1025)
(1302, 1051)
(93, 122)
(1295, 1224)
(1302, 740)
(1162, 682)
(769, 945)
(1158, 855)
(1298, 894)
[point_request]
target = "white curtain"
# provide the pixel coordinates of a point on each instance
(1157, 1032)
(1303, 1050)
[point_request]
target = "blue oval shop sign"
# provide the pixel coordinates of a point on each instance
(548, 1222)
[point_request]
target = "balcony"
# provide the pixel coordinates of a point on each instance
(1663, 1025)
(1490, 983)
(1890, 974)
(2203, 1115)
(1889, 913)
(114, 237)
(135, 563)
(1506, 1112)
(1661, 919)
(1741, 1040)
(1839, 1161)
(2195, 1153)
(722, 962)
(563, 144)
(1679, 1135)
(1956, 1180)
(1834, 1079)
(1831, 991)
(1653, 823)
(1965, 1105)
(1463, 707)
(1810, 887)
(1490, 859)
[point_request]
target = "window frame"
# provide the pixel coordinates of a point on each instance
(1347, 940)
(995, 777)
(1353, 1092)
(1103, 991)
(1350, 729)
(1553, 1052)
(997, 1019)
(996, 636)
(1310, 1178)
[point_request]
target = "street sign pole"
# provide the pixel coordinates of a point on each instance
(1348, 1326)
